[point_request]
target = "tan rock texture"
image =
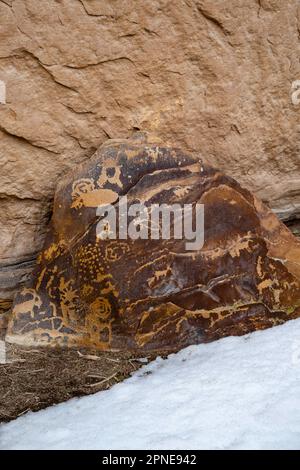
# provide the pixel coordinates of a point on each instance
(213, 77)
(145, 294)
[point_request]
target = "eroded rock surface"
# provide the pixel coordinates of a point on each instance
(201, 74)
(153, 295)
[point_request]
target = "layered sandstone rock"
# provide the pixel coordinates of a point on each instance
(156, 294)
(201, 74)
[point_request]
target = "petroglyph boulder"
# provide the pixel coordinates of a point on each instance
(154, 295)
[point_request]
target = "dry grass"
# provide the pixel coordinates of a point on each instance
(37, 378)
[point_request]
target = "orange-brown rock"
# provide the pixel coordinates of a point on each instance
(5, 306)
(152, 295)
(212, 76)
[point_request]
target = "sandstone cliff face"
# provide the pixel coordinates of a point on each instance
(212, 77)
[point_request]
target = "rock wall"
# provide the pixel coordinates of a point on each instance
(213, 77)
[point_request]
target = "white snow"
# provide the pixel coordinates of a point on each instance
(236, 393)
